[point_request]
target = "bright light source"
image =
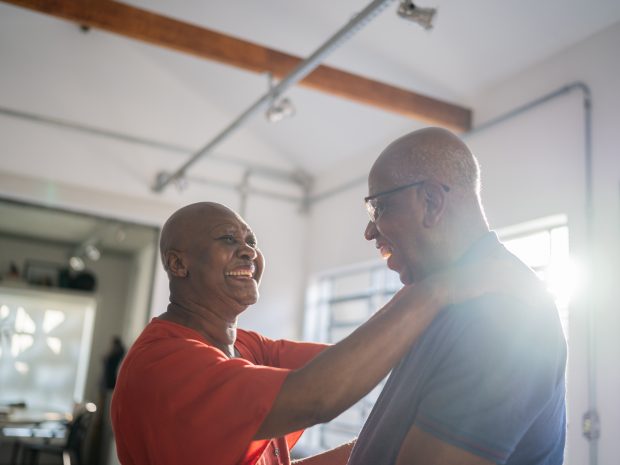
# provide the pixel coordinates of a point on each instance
(4, 311)
(76, 263)
(52, 319)
(563, 279)
(90, 407)
(92, 252)
(23, 322)
(20, 343)
(55, 344)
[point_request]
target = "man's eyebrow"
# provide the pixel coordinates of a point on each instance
(232, 226)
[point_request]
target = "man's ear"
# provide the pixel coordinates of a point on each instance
(175, 264)
(434, 203)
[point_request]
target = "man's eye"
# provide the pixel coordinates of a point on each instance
(252, 243)
(379, 209)
(229, 239)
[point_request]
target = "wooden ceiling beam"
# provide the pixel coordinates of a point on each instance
(167, 32)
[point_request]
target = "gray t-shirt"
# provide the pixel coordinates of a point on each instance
(487, 376)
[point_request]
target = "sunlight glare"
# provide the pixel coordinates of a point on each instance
(564, 279)
(52, 319)
(4, 311)
(23, 322)
(55, 344)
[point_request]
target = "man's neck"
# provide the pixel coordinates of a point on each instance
(218, 330)
(456, 245)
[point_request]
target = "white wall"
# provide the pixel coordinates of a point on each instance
(532, 167)
(140, 288)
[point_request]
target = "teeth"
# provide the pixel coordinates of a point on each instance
(239, 273)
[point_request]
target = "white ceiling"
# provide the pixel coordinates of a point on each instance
(152, 92)
(474, 43)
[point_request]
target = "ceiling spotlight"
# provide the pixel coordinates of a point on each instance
(181, 183)
(422, 16)
(277, 111)
(92, 252)
(77, 263)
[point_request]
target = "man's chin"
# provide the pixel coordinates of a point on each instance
(403, 271)
(408, 276)
(405, 277)
(250, 300)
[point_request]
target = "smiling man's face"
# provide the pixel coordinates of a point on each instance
(409, 201)
(397, 228)
(224, 258)
(212, 258)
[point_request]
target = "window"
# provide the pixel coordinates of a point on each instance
(340, 300)
(543, 246)
(45, 340)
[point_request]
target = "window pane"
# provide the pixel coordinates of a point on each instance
(44, 344)
(533, 249)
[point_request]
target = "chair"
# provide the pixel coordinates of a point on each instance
(71, 451)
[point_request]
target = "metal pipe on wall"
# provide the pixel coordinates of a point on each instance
(298, 177)
(301, 71)
(144, 141)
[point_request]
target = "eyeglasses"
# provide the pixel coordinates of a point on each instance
(372, 205)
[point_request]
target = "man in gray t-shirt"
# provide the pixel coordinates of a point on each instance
(485, 383)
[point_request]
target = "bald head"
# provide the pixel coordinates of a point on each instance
(430, 153)
(424, 202)
(186, 224)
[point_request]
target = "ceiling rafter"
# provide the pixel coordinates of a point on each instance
(163, 31)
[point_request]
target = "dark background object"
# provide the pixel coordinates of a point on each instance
(83, 280)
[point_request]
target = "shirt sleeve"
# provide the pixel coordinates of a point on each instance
(282, 352)
(496, 377)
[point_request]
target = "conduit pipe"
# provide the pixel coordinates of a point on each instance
(299, 177)
(300, 72)
(590, 422)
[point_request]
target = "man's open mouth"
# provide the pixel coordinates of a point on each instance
(241, 273)
(385, 251)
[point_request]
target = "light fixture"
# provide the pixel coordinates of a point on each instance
(76, 263)
(92, 252)
(278, 109)
(181, 183)
(86, 250)
(422, 16)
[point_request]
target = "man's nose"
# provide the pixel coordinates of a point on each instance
(247, 252)
(371, 231)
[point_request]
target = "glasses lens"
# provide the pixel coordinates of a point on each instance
(371, 208)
